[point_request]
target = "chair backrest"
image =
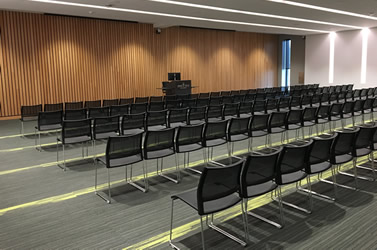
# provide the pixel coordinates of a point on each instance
(218, 182)
(238, 98)
(336, 109)
(295, 102)
(283, 103)
(293, 159)
(323, 112)
(49, 118)
(306, 100)
(370, 92)
(359, 106)
(364, 139)
(156, 99)
(53, 107)
(357, 94)
(215, 100)
(119, 147)
(194, 96)
(212, 94)
(75, 114)
(214, 130)
(250, 97)
(363, 93)
(259, 122)
(309, 114)
(71, 129)
(155, 118)
(137, 108)
(190, 134)
(119, 109)
(368, 104)
(73, 105)
(172, 104)
(258, 169)
(244, 91)
(92, 104)
(321, 148)
(238, 126)
(271, 104)
(277, 119)
(259, 106)
(348, 107)
(333, 97)
(188, 103)
(159, 140)
(197, 113)
(110, 102)
(234, 92)
(203, 95)
(123, 101)
(156, 106)
(202, 102)
(98, 112)
(142, 99)
(133, 121)
(344, 143)
(231, 109)
(225, 93)
(177, 116)
(105, 125)
(294, 116)
(246, 107)
(30, 111)
(214, 111)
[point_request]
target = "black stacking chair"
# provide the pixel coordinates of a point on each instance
(119, 110)
(283, 104)
(133, 124)
(110, 102)
(258, 178)
(306, 101)
(124, 101)
(74, 114)
(309, 117)
(98, 112)
(203, 95)
(196, 115)
(295, 102)
(364, 146)
(335, 114)
(92, 104)
(103, 128)
(177, 117)
(316, 100)
(333, 98)
(276, 125)
(259, 107)
(231, 110)
(73, 105)
(156, 120)
(250, 97)
(215, 100)
(172, 104)
(261, 96)
(272, 105)
(292, 168)
(200, 102)
(214, 135)
(218, 189)
(156, 99)
(259, 127)
(238, 98)
(246, 109)
(347, 112)
(238, 130)
(227, 99)
(188, 103)
(122, 151)
(137, 108)
(214, 113)
(325, 99)
(159, 144)
(358, 110)
(47, 121)
(319, 162)
(73, 132)
(293, 122)
(341, 153)
(141, 99)
(49, 107)
(156, 106)
(189, 139)
(323, 116)
(29, 113)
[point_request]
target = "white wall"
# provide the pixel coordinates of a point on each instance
(348, 47)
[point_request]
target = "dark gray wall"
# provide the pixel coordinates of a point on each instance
(297, 57)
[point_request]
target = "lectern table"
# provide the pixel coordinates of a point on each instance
(182, 87)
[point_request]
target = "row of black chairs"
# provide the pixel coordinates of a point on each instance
(262, 172)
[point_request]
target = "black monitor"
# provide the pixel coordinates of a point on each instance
(174, 76)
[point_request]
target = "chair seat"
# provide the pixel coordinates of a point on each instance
(133, 131)
(340, 159)
(156, 127)
(101, 136)
(308, 123)
(322, 120)
(190, 198)
(294, 126)
(319, 167)
(189, 147)
(239, 137)
(346, 116)
(121, 161)
(196, 122)
(259, 189)
(292, 177)
(363, 151)
(49, 127)
(177, 124)
(277, 130)
(78, 139)
(215, 142)
(214, 119)
(335, 118)
(159, 153)
(258, 133)
(245, 115)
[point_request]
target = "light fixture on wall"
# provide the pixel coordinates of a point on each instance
(364, 55)
(92, 6)
(332, 36)
(250, 13)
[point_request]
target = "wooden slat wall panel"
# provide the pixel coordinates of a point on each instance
(50, 59)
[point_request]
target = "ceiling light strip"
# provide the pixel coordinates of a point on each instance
(309, 6)
(176, 16)
(254, 13)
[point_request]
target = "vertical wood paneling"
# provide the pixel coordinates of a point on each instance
(49, 59)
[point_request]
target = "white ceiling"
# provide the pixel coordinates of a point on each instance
(366, 7)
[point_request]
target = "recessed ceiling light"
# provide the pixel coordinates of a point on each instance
(309, 6)
(253, 13)
(176, 16)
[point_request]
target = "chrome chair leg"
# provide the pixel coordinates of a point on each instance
(202, 232)
(171, 227)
